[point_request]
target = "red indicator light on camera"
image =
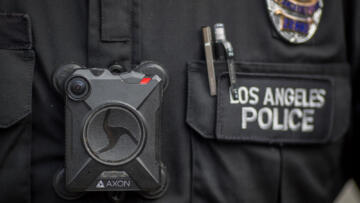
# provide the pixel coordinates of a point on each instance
(145, 81)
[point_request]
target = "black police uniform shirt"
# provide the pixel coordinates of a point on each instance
(215, 149)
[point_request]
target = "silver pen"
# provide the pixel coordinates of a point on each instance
(209, 59)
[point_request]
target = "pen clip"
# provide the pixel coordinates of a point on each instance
(220, 38)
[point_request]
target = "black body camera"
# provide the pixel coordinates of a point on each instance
(113, 128)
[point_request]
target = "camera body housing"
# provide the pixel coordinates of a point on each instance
(113, 130)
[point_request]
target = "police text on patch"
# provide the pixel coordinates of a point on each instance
(280, 108)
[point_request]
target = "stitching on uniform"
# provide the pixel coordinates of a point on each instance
(189, 118)
(115, 39)
(29, 145)
(139, 46)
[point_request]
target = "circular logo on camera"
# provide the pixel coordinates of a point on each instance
(114, 135)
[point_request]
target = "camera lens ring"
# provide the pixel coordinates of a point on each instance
(77, 88)
(101, 109)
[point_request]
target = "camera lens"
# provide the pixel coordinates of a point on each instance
(77, 88)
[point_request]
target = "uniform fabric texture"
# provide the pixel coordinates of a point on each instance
(202, 166)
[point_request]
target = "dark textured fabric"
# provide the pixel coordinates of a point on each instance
(94, 33)
(109, 35)
(16, 78)
(353, 48)
(15, 32)
(116, 20)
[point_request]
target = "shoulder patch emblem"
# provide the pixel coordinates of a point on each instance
(295, 20)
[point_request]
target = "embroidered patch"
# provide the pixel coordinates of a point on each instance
(277, 108)
(295, 20)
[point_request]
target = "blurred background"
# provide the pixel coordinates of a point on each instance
(349, 194)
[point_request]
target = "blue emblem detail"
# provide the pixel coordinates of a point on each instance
(295, 20)
(306, 10)
(295, 25)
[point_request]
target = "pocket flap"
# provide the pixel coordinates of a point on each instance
(16, 72)
(16, 68)
(278, 103)
(15, 31)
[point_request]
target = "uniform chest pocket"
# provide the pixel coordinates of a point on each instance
(285, 126)
(16, 78)
(16, 68)
(277, 103)
(16, 75)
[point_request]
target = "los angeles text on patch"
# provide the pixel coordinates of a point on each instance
(277, 108)
(298, 106)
